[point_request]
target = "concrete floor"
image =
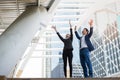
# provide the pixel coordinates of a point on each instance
(4, 78)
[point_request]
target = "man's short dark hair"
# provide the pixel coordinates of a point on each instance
(86, 30)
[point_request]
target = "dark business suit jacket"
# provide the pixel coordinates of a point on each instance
(67, 42)
(87, 39)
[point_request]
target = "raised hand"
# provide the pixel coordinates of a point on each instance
(70, 23)
(75, 28)
(54, 27)
(91, 23)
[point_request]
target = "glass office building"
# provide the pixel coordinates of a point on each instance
(106, 39)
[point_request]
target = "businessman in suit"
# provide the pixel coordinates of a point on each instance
(85, 48)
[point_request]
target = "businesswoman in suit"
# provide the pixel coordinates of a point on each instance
(85, 48)
(67, 50)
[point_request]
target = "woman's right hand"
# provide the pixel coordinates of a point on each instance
(54, 27)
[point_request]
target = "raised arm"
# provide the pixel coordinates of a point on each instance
(62, 39)
(76, 33)
(71, 33)
(91, 28)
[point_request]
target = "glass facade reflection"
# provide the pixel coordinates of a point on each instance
(106, 40)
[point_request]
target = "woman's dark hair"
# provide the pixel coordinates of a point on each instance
(86, 30)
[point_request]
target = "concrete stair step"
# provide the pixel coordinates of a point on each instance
(112, 78)
(64, 79)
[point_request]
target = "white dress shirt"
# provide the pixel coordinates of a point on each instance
(83, 43)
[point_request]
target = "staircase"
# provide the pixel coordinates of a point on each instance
(112, 78)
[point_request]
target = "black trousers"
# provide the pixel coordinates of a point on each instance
(67, 54)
